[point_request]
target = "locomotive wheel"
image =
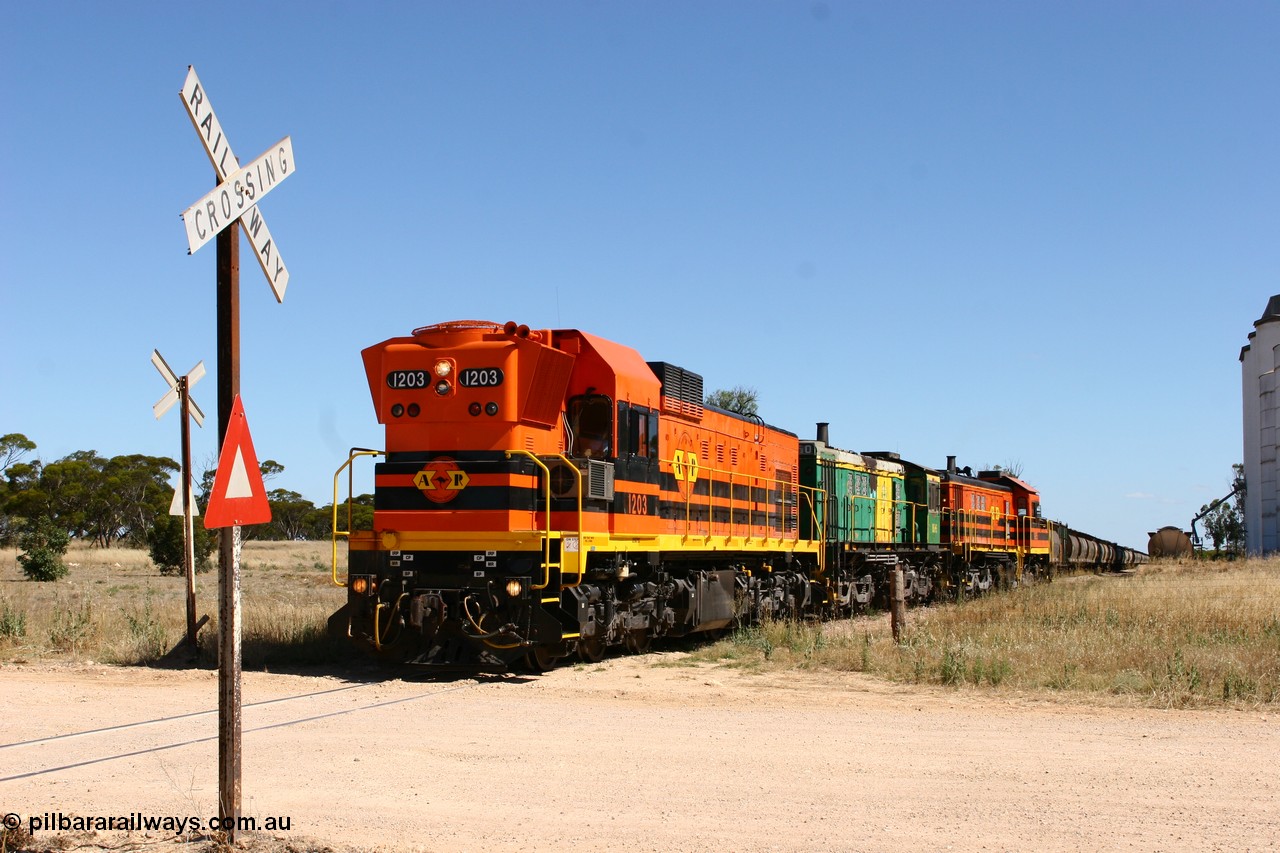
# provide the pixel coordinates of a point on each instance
(637, 641)
(539, 660)
(591, 650)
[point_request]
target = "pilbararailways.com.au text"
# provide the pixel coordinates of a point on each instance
(139, 822)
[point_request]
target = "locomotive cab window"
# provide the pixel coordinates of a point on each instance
(591, 426)
(635, 425)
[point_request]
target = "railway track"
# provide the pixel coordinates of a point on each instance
(13, 751)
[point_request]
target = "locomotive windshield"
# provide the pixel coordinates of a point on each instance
(591, 426)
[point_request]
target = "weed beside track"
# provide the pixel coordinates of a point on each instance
(1173, 634)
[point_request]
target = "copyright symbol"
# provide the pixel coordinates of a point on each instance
(12, 820)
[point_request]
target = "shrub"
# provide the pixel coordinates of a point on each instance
(43, 543)
(71, 625)
(168, 548)
(13, 623)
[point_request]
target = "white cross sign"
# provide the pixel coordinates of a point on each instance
(171, 396)
(236, 202)
(237, 195)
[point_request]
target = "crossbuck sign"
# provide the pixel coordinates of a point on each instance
(240, 190)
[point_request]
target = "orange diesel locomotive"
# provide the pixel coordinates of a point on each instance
(549, 492)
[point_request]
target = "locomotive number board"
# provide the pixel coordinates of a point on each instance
(408, 379)
(470, 377)
(480, 377)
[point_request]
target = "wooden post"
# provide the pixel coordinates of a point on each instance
(188, 528)
(898, 605)
(229, 699)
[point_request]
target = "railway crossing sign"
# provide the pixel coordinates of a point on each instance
(236, 196)
(238, 499)
(237, 201)
(174, 394)
(238, 496)
(183, 504)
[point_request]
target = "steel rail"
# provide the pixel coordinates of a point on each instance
(158, 720)
(91, 761)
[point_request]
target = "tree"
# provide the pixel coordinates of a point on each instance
(107, 500)
(1010, 468)
(95, 498)
(43, 542)
(270, 469)
(13, 447)
(1224, 518)
(361, 518)
(142, 491)
(740, 399)
(290, 515)
(168, 548)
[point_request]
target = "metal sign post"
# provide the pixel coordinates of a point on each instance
(233, 201)
(238, 497)
(188, 529)
(180, 390)
(229, 696)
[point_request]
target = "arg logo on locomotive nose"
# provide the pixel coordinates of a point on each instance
(441, 480)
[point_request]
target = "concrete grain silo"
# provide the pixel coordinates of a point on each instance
(1259, 366)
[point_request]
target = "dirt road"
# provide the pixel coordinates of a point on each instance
(626, 755)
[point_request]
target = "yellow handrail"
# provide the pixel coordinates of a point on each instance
(577, 472)
(546, 539)
(753, 482)
(813, 494)
(355, 452)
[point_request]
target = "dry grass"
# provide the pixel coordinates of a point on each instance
(1172, 635)
(114, 606)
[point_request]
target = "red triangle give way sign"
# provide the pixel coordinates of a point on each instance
(238, 496)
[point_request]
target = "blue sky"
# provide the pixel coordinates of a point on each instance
(1009, 231)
